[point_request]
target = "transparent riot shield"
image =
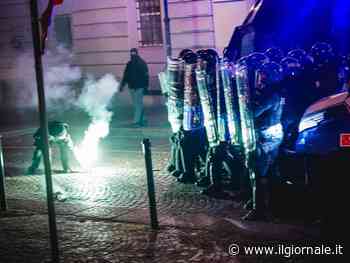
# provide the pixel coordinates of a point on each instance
(193, 114)
(175, 86)
(246, 109)
(231, 102)
(207, 104)
(223, 130)
(162, 77)
(245, 101)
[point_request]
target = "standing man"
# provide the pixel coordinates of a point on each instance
(137, 78)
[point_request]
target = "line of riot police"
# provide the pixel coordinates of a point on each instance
(231, 119)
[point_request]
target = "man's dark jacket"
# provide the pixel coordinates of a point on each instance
(136, 74)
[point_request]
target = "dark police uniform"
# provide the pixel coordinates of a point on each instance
(325, 69)
(268, 108)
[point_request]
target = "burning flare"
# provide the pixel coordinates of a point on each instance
(87, 152)
(95, 98)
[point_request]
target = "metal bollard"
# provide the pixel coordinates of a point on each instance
(3, 204)
(146, 147)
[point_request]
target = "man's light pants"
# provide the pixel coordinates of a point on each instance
(137, 101)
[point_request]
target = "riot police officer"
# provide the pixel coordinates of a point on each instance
(302, 83)
(174, 86)
(267, 112)
(303, 58)
(296, 99)
(344, 74)
(274, 54)
(184, 53)
(193, 143)
(59, 135)
(325, 70)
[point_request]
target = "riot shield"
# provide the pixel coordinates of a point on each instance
(175, 87)
(207, 104)
(193, 143)
(172, 87)
(223, 131)
(231, 102)
(246, 109)
(245, 101)
(162, 77)
(193, 114)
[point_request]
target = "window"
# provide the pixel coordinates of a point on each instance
(63, 31)
(150, 23)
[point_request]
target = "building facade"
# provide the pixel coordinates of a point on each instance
(101, 33)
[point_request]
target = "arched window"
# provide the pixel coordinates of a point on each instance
(150, 27)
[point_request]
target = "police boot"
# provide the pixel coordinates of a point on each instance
(203, 181)
(212, 190)
(170, 168)
(244, 193)
(187, 178)
(31, 170)
(171, 165)
(260, 201)
(248, 205)
(187, 160)
(215, 189)
(177, 162)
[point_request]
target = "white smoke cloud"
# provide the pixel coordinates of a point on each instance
(60, 78)
(95, 98)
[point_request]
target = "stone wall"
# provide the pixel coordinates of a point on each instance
(103, 32)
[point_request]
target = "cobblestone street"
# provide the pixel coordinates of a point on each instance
(105, 217)
(174, 131)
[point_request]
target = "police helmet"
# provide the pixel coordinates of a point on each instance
(212, 53)
(300, 55)
(242, 61)
(184, 52)
(213, 56)
(256, 59)
(274, 54)
(322, 53)
(208, 55)
(345, 61)
(344, 70)
(269, 73)
(291, 67)
(190, 57)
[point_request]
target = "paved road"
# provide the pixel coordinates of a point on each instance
(105, 217)
(118, 180)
